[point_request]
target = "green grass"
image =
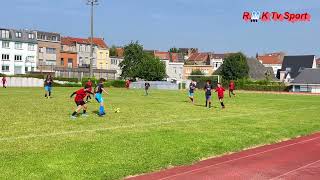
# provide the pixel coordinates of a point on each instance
(39, 141)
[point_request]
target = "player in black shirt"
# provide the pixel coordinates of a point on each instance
(48, 86)
(99, 98)
(192, 88)
(146, 88)
(208, 89)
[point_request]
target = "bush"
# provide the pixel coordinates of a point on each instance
(115, 83)
(263, 85)
(66, 79)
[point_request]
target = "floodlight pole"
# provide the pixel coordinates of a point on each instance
(91, 3)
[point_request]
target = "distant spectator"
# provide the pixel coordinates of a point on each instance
(4, 82)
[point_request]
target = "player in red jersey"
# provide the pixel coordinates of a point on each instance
(89, 85)
(220, 90)
(231, 88)
(80, 95)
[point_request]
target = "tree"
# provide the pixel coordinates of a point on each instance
(174, 50)
(113, 51)
(151, 68)
(133, 56)
(235, 67)
(138, 64)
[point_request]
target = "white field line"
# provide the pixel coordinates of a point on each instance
(290, 172)
(245, 157)
(133, 126)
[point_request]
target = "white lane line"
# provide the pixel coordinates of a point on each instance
(295, 170)
(232, 160)
(133, 126)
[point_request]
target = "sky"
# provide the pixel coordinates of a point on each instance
(210, 25)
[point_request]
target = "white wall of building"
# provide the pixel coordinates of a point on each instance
(174, 70)
(27, 62)
(216, 63)
(24, 82)
(275, 67)
(114, 65)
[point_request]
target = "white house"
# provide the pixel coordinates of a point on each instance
(292, 66)
(273, 60)
(174, 70)
(216, 60)
(307, 81)
(114, 65)
(18, 51)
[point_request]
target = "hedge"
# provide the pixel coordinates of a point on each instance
(263, 85)
(115, 83)
(71, 84)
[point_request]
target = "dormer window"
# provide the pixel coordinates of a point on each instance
(288, 69)
(18, 34)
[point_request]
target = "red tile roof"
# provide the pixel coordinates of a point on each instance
(271, 59)
(100, 42)
(71, 41)
(120, 52)
(174, 57)
(219, 56)
(199, 57)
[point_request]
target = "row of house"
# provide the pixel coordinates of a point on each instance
(23, 51)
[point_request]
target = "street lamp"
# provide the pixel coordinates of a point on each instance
(91, 3)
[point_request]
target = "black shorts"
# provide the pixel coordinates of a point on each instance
(80, 103)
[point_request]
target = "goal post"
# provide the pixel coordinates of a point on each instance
(202, 79)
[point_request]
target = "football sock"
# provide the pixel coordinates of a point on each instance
(206, 103)
(49, 93)
(209, 104)
(84, 111)
(222, 104)
(74, 113)
(45, 95)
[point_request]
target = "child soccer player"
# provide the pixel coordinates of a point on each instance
(4, 81)
(89, 85)
(192, 87)
(220, 90)
(127, 84)
(231, 88)
(146, 88)
(80, 95)
(48, 86)
(99, 98)
(208, 89)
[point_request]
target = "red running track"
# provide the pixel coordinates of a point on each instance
(294, 159)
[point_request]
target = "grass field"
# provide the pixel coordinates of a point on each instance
(39, 141)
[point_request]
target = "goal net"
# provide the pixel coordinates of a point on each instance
(201, 80)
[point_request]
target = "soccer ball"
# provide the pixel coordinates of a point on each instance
(117, 110)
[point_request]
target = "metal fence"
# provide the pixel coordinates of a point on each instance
(84, 72)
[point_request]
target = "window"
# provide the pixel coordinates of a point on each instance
(51, 62)
(70, 60)
(31, 47)
(43, 37)
(62, 62)
(5, 57)
(54, 38)
(30, 58)
(31, 36)
(26, 69)
(5, 68)
(5, 34)
(18, 45)
(51, 50)
(18, 58)
(18, 34)
(5, 44)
